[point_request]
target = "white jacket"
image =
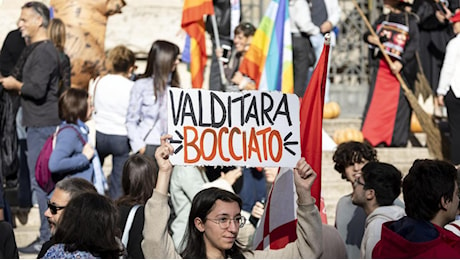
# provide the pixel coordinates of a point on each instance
(450, 72)
(300, 18)
(373, 227)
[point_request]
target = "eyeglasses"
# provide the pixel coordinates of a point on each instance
(224, 222)
(358, 182)
(53, 208)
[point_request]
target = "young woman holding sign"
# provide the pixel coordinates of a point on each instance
(146, 119)
(215, 219)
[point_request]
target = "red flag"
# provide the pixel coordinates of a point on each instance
(278, 224)
(311, 119)
(192, 22)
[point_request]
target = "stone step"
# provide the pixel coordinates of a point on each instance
(332, 125)
(25, 234)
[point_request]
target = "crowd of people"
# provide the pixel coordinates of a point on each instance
(149, 208)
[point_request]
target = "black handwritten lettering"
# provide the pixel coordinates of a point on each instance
(252, 111)
(215, 98)
(266, 110)
(191, 113)
(236, 100)
(229, 110)
(200, 107)
(283, 104)
(176, 116)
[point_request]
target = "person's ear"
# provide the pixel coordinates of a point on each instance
(199, 224)
(132, 69)
(370, 194)
(445, 204)
(38, 20)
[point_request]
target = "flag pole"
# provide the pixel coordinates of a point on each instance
(216, 37)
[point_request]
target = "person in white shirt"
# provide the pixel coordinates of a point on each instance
(302, 28)
(449, 89)
(326, 15)
(111, 99)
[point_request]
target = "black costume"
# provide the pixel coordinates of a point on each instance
(387, 112)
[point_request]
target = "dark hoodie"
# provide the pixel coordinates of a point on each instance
(410, 238)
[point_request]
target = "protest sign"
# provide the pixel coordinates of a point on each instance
(250, 128)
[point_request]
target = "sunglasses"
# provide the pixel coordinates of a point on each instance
(53, 208)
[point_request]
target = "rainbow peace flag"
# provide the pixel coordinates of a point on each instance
(269, 58)
(192, 22)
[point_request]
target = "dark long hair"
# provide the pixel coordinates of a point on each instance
(202, 204)
(138, 181)
(160, 61)
(89, 223)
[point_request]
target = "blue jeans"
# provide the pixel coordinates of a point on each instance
(36, 138)
(118, 147)
(24, 192)
(254, 188)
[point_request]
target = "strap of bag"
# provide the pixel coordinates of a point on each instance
(59, 129)
(94, 92)
(150, 130)
(129, 223)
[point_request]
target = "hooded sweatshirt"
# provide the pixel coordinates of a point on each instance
(410, 238)
(373, 226)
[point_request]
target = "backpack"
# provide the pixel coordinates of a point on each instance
(42, 172)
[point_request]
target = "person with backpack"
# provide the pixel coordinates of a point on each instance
(87, 230)
(72, 154)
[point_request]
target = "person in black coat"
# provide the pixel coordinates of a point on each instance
(8, 248)
(12, 48)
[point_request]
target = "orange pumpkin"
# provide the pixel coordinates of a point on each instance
(415, 126)
(347, 134)
(331, 110)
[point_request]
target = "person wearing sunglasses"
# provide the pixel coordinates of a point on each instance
(215, 220)
(87, 230)
(64, 191)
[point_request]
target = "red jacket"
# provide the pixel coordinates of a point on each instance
(409, 238)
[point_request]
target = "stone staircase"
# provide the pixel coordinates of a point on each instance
(333, 187)
(28, 233)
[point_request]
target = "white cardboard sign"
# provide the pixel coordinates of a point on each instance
(250, 128)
